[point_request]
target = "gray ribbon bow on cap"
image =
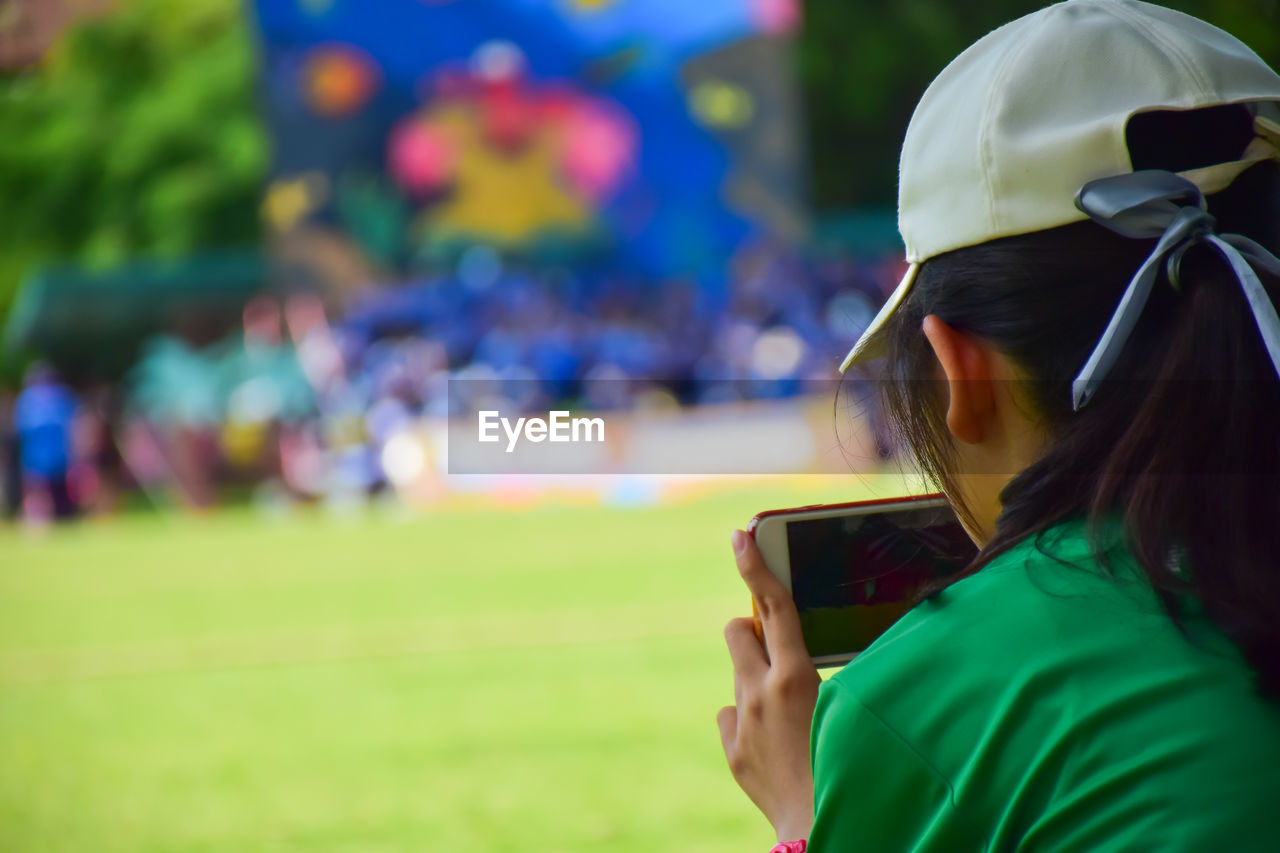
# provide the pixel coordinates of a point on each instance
(1156, 203)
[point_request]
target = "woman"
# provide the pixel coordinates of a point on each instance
(1087, 361)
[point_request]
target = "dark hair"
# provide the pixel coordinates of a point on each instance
(1180, 441)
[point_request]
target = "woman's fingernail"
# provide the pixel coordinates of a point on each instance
(739, 540)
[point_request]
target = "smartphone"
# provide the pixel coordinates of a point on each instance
(854, 569)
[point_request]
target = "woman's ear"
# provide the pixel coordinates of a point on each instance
(970, 380)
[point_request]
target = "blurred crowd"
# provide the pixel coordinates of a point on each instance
(299, 405)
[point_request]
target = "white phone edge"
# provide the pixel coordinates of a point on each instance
(771, 540)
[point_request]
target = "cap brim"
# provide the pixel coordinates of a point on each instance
(872, 345)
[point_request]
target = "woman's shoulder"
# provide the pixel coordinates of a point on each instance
(1045, 628)
(1048, 593)
(1044, 672)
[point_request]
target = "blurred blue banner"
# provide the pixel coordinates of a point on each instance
(654, 136)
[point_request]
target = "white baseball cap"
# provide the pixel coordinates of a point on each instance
(1009, 132)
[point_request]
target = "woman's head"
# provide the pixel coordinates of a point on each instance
(985, 337)
(1041, 301)
(1193, 395)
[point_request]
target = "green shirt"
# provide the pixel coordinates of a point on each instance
(1036, 706)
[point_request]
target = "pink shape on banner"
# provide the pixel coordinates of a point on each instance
(510, 114)
(599, 149)
(421, 158)
(776, 17)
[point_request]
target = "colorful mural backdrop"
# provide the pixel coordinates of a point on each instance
(654, 136)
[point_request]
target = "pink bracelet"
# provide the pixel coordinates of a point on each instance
(789, 847)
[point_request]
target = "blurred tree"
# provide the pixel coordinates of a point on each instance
(138, 135)
(864, 65)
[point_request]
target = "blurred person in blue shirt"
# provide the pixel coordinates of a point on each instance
(43, 416)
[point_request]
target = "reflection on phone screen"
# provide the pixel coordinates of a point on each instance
(853, 576)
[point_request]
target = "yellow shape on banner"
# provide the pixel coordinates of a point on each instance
(719, 104)
(505, 196)
(290, 199)
(591, 5)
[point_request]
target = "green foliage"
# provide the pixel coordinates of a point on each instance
(864, 65)
(137, 136)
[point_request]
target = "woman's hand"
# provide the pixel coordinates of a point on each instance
(766, 732)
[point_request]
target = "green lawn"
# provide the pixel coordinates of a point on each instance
(537, 680)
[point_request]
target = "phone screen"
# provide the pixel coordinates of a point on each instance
(853, 576)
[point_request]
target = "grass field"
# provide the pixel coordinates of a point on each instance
(536, 680)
